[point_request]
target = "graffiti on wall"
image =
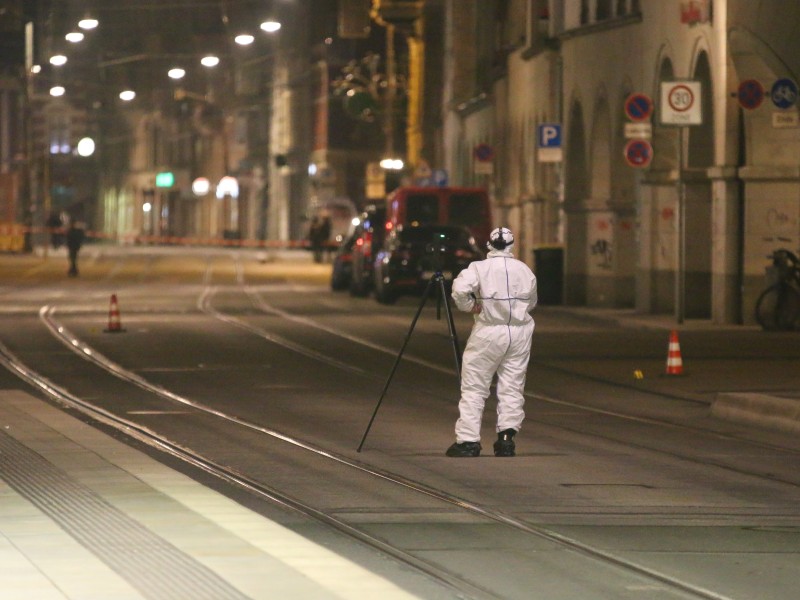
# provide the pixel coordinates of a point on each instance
(779, 226)
(602, 248)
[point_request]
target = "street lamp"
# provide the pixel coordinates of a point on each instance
(270, 26)
(127, 95)
(244, 39)
(73, 37)
(176, 73)
(86, 147)
(392, 164)
(209, 61)
(88, 23)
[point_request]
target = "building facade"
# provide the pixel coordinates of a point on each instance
(653, 143)
(684, 228)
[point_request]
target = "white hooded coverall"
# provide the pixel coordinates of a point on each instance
(500, 341)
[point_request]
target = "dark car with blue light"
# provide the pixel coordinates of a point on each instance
(412, 255)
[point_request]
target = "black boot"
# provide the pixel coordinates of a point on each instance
(464, 449)
(504, 446)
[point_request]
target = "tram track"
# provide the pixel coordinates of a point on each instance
(233, 477)
(47, 316)
(260, 304)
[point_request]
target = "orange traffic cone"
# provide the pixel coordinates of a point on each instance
(114, 323)
(674, 360)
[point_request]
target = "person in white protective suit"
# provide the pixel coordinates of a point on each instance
(500, 291)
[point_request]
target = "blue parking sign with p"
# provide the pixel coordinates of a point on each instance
(549, 135)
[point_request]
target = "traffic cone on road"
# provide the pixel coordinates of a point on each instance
(114, 322)
(674, 360)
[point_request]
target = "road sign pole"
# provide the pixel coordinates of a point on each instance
(680, 272)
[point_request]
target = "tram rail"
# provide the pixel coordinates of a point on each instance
(47, 316)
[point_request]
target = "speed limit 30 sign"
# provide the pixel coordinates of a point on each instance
(681, 103)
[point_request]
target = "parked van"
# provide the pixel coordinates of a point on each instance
(456, 206)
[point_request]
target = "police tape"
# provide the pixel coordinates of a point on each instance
(13, 239)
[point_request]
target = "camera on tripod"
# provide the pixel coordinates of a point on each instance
(435, 249)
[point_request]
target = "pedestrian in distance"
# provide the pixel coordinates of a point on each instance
(325, 234)
(75, 236)
(500, 291)
(315, 239)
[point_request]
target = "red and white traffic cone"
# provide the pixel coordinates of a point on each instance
(674, 360)
(114, 322)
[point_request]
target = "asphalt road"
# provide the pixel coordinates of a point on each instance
(625, 485)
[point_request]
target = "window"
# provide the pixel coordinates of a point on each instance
(584, 12)
(466, 210)
(603, 10)
(422, 209)
(539, 20)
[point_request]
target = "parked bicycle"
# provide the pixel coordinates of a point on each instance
(778, 306)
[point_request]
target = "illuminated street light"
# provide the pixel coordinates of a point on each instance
(201, 186)
(270, 26)
(74, 37)
(244, 39)
(227, 186)
(35, 69)
(88, 23)
(209, 61)
(176, 73)
(127, 95)
(57, 90)
(147, 207)
(392, 164)
(58, 60)
(86, 147)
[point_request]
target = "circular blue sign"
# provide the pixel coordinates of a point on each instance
(638, 153)
(784, 93)
(638, 107)
(484, 153)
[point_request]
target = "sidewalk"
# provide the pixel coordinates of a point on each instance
(83, 516)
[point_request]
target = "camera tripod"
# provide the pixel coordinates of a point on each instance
(437, 282)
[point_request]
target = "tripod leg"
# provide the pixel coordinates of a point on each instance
(396, 362)
(452, 327)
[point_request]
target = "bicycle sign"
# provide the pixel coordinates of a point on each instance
(784, 93)
(680, 103)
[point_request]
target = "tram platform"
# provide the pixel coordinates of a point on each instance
(83, 516)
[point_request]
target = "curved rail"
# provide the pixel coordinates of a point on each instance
(76, 345)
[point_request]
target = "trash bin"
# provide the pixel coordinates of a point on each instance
(548, 265)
